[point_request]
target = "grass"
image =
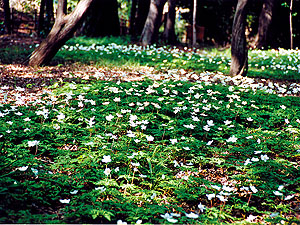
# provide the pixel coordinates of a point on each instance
(116, 52)
(169, 151)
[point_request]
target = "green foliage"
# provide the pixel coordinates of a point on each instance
(103, 151)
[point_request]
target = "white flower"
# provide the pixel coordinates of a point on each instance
(254, 159)
(206, 128)
(65, 201)
(120, 222)
(228, 189)
(74, 192)
(135, 164)
(232, 139)
(253, 189)
(107, 171)
(201, 207)
(27, 119)
(173, 141)
(280, 187)
(106, 159)
(277, 193)
(192, 215)
(248, 161)
(139, 222)
(133, 117)
(117, 99)
(216, 187)
(210, 142)
(35, 171)
(249, 119)
(102, 188)
(190, 126)
(289, 197)
(264, 157)
(130, 134)
(227, 122)
(210, 196)
(60, 117)
(150, 138)
(9, 122)
(172, 220)
(210, 123)
(283, 107)
(166, 216)
(33, 143)
(109, 117)
(221, 198)
(23, 168)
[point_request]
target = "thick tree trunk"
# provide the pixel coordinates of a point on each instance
(132, 17)
(151, 28)
(169, 32)
(7, 19)
(63, 29)
(239, 51)
(102, 19)
(265, 19)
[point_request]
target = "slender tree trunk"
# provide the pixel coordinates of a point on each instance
(265, 19)
(142, 13)
(150, 31)
(63, 29)
(132, 17)
(291, 25)
(239, 51)
(7, 19)
(169, 32)
(194, 39)
(41, 18)
(49, 11)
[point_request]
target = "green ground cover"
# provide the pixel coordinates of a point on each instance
(116, 52)
(168, 151)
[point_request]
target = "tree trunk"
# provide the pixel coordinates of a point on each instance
(265, 19)
(153, 22)
(41, 18)
(63, 29)
(7, 19)
(102, 19)
(142, 12)
(169, 32)
(194, 39)
(239, 51)
(132, 17)
(291, 25)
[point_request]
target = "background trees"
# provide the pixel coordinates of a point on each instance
(268, 23)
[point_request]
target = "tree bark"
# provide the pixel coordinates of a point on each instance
(132, 17)
(63, 29)
(142, 13)
(291, 25)
(239, 51)
(7, 19)
(153, 22)
(265, 19)
(41, 17)
(102, 19)
(169, 32)
(194, 39)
